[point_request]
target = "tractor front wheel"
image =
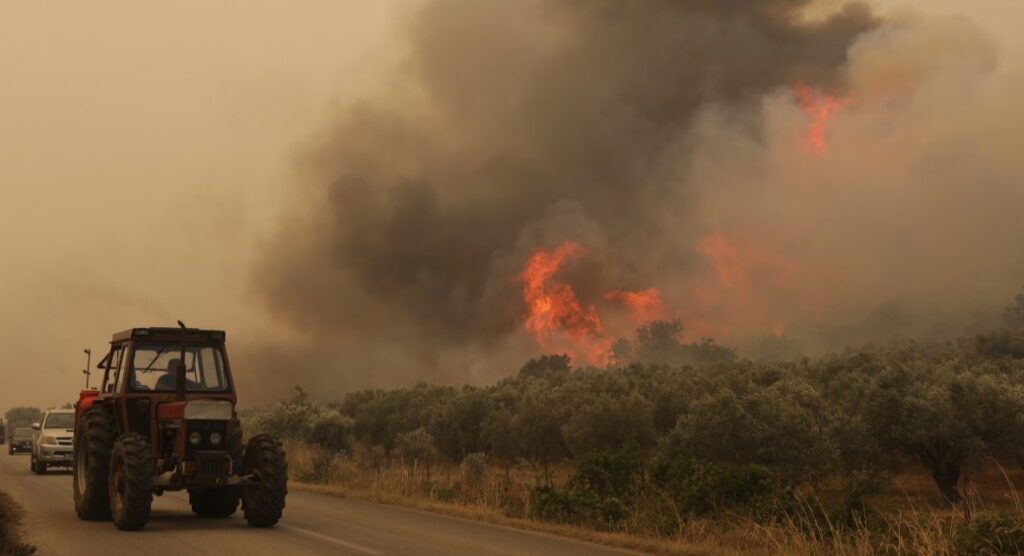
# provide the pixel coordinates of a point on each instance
(94, 438)
(263, 503)
(131, 482)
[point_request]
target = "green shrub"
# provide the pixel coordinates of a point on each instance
(611, 473)
(564, 505)
(990, 535)
(699, 488)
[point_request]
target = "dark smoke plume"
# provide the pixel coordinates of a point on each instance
(515, 125)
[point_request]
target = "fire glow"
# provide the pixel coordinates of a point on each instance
(750, 286)
(820, 106)
(557, 318)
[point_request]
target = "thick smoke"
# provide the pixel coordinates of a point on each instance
(634, 128)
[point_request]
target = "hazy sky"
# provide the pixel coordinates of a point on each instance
(147, 153)
(144, 152)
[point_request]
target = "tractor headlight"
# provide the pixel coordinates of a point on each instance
(195, 438)
(215, 438)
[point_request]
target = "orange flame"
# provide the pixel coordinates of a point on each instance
(553, 311)
(557, 318)
(820, 107)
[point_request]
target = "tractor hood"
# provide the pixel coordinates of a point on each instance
(196, 409)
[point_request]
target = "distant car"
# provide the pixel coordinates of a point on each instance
(52, 440)
(21, 440)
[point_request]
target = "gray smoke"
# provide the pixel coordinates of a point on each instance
(515, 125)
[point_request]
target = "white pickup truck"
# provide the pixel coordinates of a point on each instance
(52, 439)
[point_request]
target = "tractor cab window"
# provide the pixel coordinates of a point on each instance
(152, 368)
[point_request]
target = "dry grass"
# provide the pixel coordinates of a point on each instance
(10, 533)
(910, 517)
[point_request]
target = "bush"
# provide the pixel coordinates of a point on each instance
(990, 535)
(473, 467)
(611, 473)
(332, 431)
(563, 505)
(699, 488)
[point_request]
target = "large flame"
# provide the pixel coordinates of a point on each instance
(558, 319)
(820, 106)
(554, 314)
(751, 286)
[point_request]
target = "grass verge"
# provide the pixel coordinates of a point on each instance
(11, 515)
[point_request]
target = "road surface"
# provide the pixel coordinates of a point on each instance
(312, 524)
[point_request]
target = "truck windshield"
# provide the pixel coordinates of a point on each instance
(60, 421)
(153, 368)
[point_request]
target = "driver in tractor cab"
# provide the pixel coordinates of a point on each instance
(168, 383)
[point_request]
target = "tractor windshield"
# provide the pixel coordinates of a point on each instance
(153, 368)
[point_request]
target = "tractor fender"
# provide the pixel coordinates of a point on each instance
(85, 399)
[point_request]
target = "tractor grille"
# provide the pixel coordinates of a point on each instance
(205, 428)
(211, 464)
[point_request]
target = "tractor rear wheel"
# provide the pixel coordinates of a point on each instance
(214, 502)
(263, 503)
(131, 482)
(94, 439)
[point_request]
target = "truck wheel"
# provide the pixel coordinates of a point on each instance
(37, 466)
(263, 503)
(214, 502)
(94, 439)
(131, 482)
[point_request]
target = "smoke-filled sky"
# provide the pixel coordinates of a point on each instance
(351, 190)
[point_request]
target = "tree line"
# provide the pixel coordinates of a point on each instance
(671, 411)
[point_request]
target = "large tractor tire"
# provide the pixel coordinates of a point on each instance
(94, 440)
(131, 482)
(263, 503)
(214, 502)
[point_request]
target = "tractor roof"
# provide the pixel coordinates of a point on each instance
(169, 333)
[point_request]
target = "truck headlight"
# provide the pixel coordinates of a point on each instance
(215, 438)
(194, 438)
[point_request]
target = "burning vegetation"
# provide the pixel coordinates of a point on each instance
(694, 209)
(548, 176)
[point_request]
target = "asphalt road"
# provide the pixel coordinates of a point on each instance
(312, 524)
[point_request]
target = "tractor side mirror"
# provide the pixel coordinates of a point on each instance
(35, 426)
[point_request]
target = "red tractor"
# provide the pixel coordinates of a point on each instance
(164, 419)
